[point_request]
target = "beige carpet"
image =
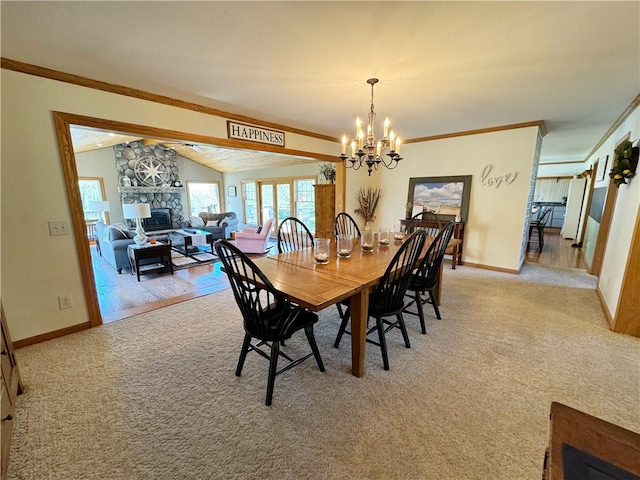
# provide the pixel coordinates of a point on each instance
(155, 396)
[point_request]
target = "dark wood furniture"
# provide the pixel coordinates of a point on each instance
(344, 224)
(184, 239)
(387, 299)
(269, 318)
(316, 287)
(11, 388)
(141, 258)
(582, 446)
(325, 205)
(293, 234)
(455, 247)
(425, 279)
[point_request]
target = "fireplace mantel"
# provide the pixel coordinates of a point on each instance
(150, 189)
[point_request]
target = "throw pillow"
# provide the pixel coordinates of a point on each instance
(212, 223)
(117, 234)
(258, 228)
(196, 222)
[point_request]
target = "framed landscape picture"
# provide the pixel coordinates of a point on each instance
(445, 196)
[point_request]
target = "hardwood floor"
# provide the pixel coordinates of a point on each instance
(122, 296)
(556, 251)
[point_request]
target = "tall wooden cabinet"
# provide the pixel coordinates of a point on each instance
(11, 387)
(325, 198)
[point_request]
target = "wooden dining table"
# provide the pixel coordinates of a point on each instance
(315, 286)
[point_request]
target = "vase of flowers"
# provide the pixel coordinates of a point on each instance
(626, 163)
(367, 199)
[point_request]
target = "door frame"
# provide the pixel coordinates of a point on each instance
(62, 123)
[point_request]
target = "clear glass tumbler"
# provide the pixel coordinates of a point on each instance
(398, 233)
(383, 236)
(366, 244)
(321, 251)
(345, 245)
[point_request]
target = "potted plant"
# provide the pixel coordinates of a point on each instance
(408, 210)
(329, 171)
(368, 202)
(626, 163)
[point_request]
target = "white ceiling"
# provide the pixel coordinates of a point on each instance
(444, 67)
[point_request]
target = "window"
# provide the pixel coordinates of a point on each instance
(203, 197)
(250, 202)
(305, 202)
(91, 190)
(279, 198)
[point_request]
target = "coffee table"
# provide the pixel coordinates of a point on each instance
(187, 241)
(161, 252)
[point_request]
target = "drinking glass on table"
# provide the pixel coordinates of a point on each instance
(367, 241)
(345, 245)
(383, 236)
(321, 251)
(398, 234)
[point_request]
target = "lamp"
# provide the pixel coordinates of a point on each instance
(98, 206)
(137, 211)
(370, 153)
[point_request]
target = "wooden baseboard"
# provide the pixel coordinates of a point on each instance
(604, 308)
(51, 335)
(489, 267)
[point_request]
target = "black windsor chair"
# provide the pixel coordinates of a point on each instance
(293, 235)
(388, 298)
(425, 277)
(344, 224)
(268, 317)
(427, 221)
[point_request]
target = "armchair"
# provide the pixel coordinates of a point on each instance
(248, 241)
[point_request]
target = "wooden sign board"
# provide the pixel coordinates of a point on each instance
(252, 133)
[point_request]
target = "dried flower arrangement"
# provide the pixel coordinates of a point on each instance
(368, 202)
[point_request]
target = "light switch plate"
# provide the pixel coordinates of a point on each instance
(59, 228)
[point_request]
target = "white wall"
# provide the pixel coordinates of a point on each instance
(36, 267)
(627, 208)
(497, 216)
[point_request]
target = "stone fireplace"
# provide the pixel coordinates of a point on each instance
(160, 220)
(163, 191)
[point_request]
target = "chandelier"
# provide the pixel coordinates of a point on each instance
(366, 151)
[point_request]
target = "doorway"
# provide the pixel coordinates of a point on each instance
(63, 123)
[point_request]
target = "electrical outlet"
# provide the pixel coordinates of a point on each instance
(59, 228)
(65, 301)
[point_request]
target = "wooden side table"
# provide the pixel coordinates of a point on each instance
(158, 251)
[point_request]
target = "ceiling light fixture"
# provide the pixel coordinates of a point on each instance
(371, 152)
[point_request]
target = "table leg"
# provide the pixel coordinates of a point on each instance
(436, 289)
(359, 306)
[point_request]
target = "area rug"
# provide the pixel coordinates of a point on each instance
(181, 261)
